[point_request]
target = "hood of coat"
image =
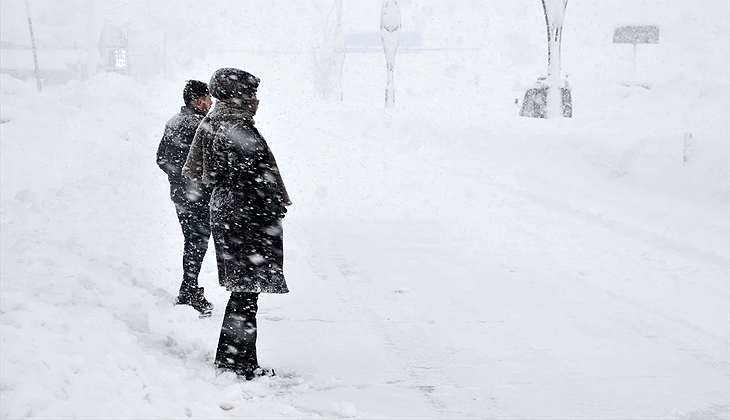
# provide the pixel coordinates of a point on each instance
(231, 83)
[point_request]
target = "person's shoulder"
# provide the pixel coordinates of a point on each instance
(180, 119)
(242, 128)
(239, 132)
(173, 121)
(191, 117)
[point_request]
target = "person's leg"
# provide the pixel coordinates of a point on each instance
(195, 223)
(237, 343)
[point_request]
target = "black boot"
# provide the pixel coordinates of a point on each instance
(259, 372)
(197, 300)
(237, 343)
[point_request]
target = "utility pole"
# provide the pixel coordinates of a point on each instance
(390, 25)
(551, 96)
(35, 51)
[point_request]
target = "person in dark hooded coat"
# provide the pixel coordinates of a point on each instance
(247, 207)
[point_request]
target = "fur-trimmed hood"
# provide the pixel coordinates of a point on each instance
(231, 83)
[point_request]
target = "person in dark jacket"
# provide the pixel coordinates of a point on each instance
(191, 198)
(248, 204)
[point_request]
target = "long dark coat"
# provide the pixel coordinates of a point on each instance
(249, 198)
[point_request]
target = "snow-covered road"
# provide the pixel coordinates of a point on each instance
(472, 269)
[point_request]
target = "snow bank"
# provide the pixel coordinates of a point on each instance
(89, 328)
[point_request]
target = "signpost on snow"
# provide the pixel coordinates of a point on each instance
(551, 96)
(636, 35)
(35, 51)
(390, 25)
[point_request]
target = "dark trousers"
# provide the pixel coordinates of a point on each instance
(237, 342)
(194, 219)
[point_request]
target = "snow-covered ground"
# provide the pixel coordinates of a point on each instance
(446, 257)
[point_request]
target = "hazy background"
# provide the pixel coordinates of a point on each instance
(494, 45)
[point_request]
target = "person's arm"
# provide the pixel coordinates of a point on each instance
(221, 160)
(193, 168)
(173, 149)
(163, 152)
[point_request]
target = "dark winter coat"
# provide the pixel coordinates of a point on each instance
(172, 153)
(249, 198)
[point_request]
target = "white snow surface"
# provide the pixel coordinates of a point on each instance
(446, 258)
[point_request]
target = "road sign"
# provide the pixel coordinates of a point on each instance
(636, 34)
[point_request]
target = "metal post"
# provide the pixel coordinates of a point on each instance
(390, 24)
(636, 46)
(554, 17)
(35, 51)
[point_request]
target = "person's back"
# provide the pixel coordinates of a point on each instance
(191, 198)
(174, 148)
